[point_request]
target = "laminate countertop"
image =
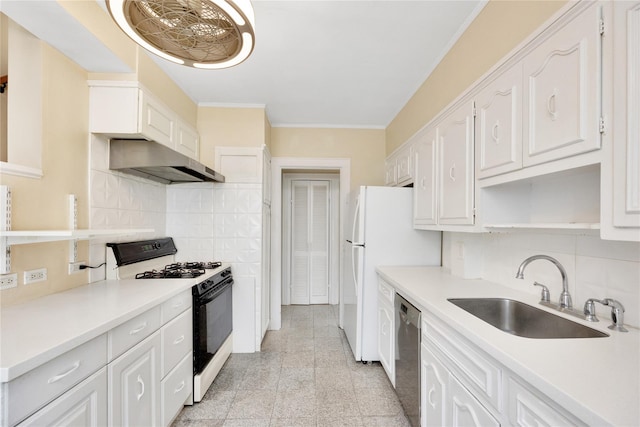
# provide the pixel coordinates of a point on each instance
(596, 379)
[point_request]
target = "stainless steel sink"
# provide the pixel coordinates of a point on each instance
(517, 318)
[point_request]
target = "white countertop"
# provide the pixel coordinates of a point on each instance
(596, 378)
(37, 331)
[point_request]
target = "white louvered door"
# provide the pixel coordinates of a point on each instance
(310, 242)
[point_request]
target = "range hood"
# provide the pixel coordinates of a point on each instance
(157, 162)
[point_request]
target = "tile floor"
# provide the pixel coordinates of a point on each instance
(305, 375)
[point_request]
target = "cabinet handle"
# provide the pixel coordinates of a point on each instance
(180, 387)
(430, 397)
(494, 133)
(138, 329)
(139, 396)
(178, 340)
(452, 172)
(64, 374)
(551, 105)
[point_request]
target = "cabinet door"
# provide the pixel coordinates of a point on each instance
(156, 121)
(83, 405)
(390, 176)
(455, 148)
(499, 125)
(187, 141)
(134, 385)
(424, 191)
(433, 389)
(626, 117)
(386, 339)
(465, 410)
(562, 101)
(404, 165)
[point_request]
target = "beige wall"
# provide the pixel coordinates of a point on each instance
(365, 148)
(42, 203)
(230, 127)
(499, 28)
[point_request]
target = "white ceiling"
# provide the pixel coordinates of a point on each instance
(316, 63)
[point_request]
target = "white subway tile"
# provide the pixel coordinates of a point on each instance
(593, 246)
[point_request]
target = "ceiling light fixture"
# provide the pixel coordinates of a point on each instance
(208, 34)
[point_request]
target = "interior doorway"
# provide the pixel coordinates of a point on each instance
(280, 165)
(310, 237)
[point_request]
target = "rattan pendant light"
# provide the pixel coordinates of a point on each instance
(197, 33)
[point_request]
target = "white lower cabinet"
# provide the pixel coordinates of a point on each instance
(176, 388)
(83, 405)
(134, 385)
(433, 379)
(463, 386)
(386, 341)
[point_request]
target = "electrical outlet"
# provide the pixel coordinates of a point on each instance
(74, 267)
(33, 276)
(8, 281)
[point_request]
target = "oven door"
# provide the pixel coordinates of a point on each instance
(212, 323)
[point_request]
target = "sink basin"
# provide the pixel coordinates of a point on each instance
(517, 318)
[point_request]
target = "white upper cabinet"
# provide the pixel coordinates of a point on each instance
(455, 164)
(499, 125)
(561, 87)
(621, 159)
(187, 140)
(127, 110)
(399, 167)
(626, 117)
(425, 187)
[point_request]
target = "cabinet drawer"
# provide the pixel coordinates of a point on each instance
(83, 405)
(176, 341)
(132, 332)
(526, 408)
(31, 391)
(472, 367)
(385, 291)
(176, 305)
(176, 388)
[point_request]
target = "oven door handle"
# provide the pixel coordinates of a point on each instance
(210, 296)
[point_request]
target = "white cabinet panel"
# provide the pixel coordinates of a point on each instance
(528, 410)
(32, 390)
(425, 201)
(465, 409)
(390, 172)
(499, 125)
(83, 405)
(386, 344)
(433, 389)
(176, 388)
(455, 192)
(562, 102)
(404, 166)
(177, 337)
(134, 385)
(128, 334)
(156, 121)
(187, 140)
(626, 117)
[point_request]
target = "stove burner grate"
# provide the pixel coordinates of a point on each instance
(179, 270)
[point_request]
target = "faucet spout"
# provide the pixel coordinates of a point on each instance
(565, 297)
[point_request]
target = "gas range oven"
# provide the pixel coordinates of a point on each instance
(212, 298)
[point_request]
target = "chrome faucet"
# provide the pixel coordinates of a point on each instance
(617, 312)
(565, 297)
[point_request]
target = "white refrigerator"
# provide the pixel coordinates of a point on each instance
(380, 233)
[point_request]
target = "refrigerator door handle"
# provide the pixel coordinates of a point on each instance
(353, 268)
(356, 214)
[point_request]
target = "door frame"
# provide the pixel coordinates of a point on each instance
(278, 164)
(334, 232)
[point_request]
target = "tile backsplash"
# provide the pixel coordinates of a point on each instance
(595, 268)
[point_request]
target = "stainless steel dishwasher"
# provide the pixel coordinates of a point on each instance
(408, 359)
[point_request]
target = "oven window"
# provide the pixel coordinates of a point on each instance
(214, 323)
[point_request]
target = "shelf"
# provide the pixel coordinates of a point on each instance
(545, 226)
(38, 236)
